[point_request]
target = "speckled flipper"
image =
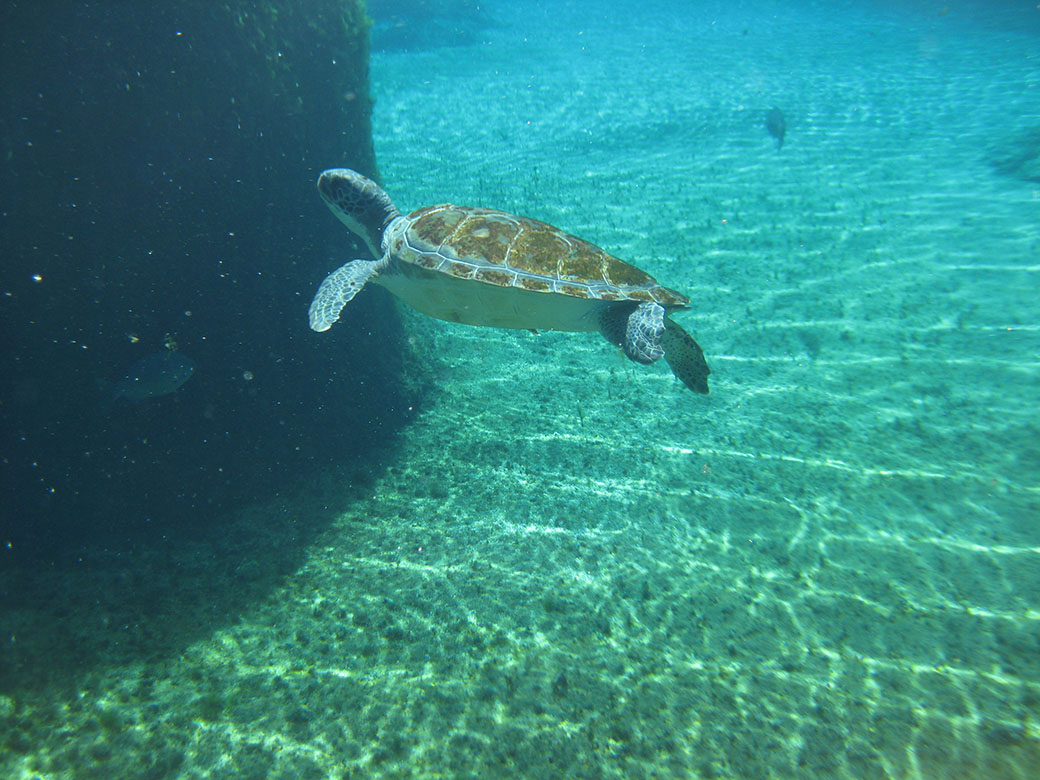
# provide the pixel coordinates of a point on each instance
(338, 290)
(636, 329)
(685, 358)
(643, 333)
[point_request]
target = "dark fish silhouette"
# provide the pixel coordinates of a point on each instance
(154, 375)
(777, 126)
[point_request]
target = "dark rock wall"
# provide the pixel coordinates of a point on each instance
(158, 178)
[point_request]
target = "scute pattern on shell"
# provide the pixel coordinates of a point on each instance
(505, 250)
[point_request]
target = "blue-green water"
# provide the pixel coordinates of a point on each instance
(568, 565)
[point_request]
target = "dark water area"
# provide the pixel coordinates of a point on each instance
(158, 184)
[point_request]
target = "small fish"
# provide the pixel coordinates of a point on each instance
(777, 126)
(154, 375)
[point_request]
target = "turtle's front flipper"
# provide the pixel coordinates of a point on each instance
(685, 357)
(337, 291)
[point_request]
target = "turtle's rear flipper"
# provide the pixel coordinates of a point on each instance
(338, 289)
(685, 357)
(637, 329)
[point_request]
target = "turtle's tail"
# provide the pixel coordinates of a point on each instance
(685, 357)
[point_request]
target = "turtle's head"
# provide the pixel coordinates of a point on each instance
(359, 203)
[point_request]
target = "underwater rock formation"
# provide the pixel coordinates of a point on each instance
(159, 176)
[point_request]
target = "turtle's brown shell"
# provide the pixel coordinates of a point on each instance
(501, 249)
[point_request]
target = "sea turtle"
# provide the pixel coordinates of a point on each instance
(485, 267)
